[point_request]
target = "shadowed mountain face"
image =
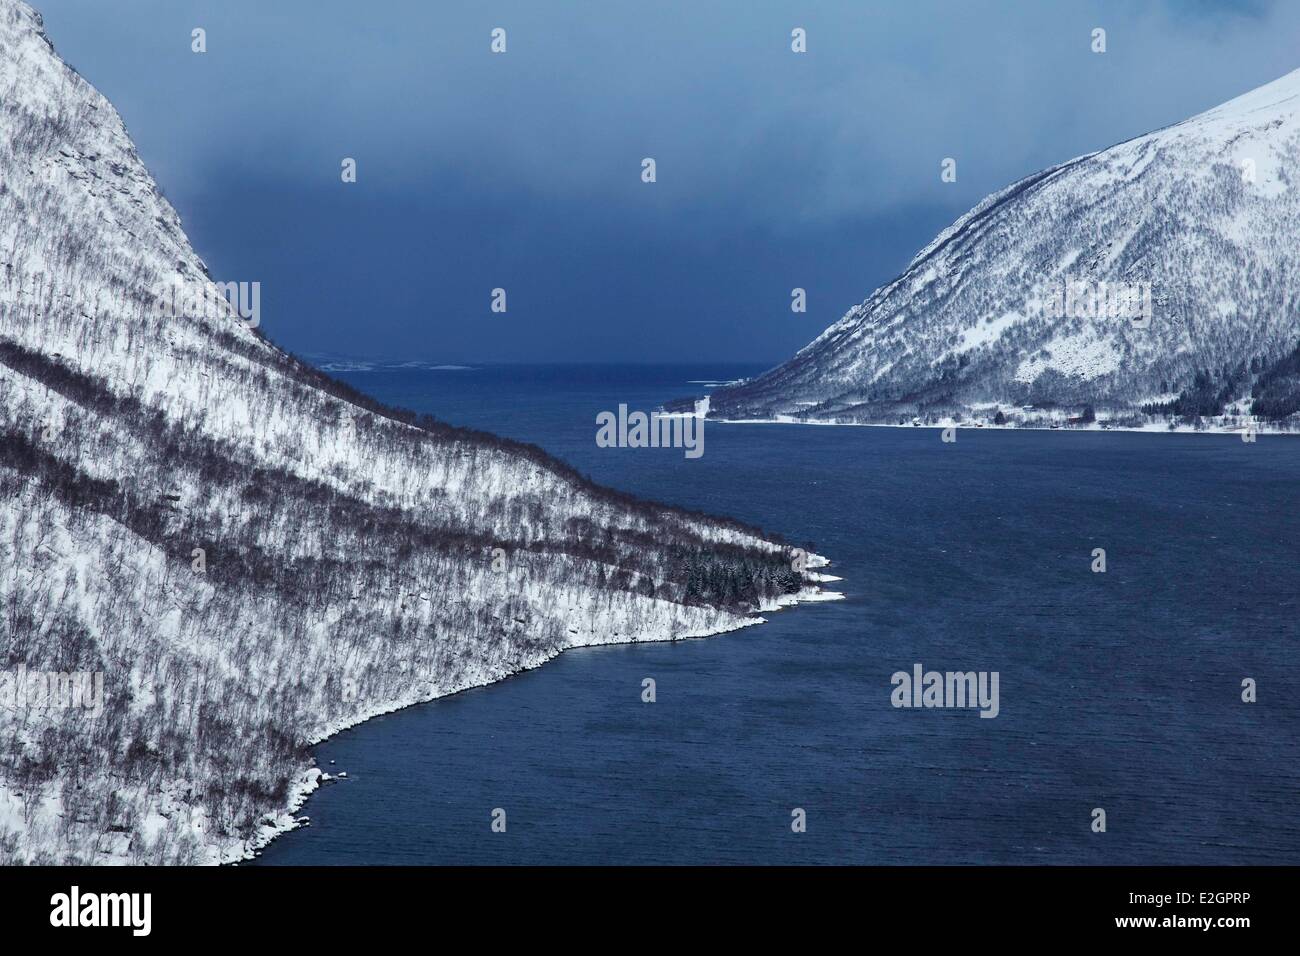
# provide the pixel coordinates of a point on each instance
(1133, 276)
(241, 554)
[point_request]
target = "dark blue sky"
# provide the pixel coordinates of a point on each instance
(522, 170)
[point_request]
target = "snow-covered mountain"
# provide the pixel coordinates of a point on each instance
(247, 554)
(1161, 272)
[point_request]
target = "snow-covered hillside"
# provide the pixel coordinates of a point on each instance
(248, 554)
(1112, 280)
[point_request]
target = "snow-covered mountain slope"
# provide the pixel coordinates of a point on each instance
(1186, 237)
(247, 554)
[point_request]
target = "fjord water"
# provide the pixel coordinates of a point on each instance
(1119, 690)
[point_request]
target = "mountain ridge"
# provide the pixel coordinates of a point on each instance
(243, 553)
(1192, 220)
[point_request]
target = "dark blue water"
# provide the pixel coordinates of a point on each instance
(1119, 690)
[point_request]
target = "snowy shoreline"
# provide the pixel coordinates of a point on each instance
(1153, 428)
(310, 779)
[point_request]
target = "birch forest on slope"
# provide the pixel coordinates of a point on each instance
(251, 554)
